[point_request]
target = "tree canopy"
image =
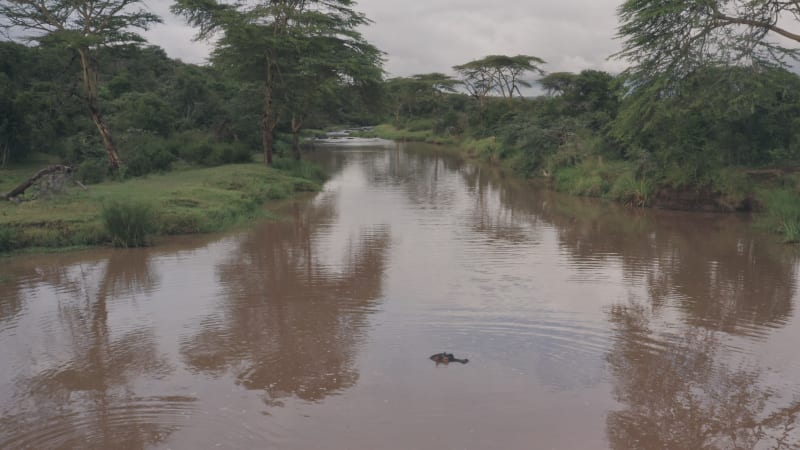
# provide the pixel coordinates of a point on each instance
(498, 73)
(418, 94)
(675, 37)
(297, 47)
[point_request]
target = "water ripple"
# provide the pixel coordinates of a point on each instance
(132, 424)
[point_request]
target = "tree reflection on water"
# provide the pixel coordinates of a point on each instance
(677, 394)
(293, 315)
(677, 389)
(82, 395)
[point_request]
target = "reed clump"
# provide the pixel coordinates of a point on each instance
(129, 224)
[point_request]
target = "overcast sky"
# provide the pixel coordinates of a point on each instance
(421, 36)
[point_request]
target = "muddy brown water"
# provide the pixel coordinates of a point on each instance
(587, 325)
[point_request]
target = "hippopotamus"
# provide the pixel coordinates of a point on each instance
(447, 358)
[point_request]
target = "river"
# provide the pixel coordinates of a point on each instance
(587, 325)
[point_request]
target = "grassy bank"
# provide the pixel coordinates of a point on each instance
(179, 202)
(411, 133)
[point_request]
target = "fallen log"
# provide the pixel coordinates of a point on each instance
(22, 187)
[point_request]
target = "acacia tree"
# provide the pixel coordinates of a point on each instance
(82, 26)
(675, 37)
(259, 41)
(328, 56)
(409, 94)
(558, 83)
(498, 73)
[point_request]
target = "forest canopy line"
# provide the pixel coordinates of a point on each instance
(708, 98)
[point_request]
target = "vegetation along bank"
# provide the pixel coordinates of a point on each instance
(720, 138)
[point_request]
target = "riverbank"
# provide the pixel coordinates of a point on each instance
(774, 194)
(188, 201)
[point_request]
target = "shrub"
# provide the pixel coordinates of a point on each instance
(129, 223)
(198, 147)
(92, 171)
(142, 110)
(228, 153)
(144, 152)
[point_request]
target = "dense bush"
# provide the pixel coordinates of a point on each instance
(144, 152)
(144, 111)
(92, 171)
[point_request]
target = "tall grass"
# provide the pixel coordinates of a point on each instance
(386, 131)
(129, 223)
(631, 191)
(782, 213)
(614, 180)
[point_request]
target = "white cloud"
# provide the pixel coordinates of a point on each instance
(422, 36)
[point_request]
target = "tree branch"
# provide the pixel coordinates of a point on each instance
(759, 24)
(22, 187)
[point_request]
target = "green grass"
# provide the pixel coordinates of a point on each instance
(413, 134)
(613, 180)
(387, 131)
(782, 212)
(183, 202)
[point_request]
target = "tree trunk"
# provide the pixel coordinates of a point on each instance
(4, 151)
(268, 119)
(111, 149)
(297, 125)
(22, 187)
(90, 88)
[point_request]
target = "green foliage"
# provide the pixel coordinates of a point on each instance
(79, 28)
(143, 111)
(92, 171)
(201, 148)
(145, 153)
(592, 95)
(129, 223)
(715, 118)
(302, 55)
(417, 95)
(670, 39)
(529, 143)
